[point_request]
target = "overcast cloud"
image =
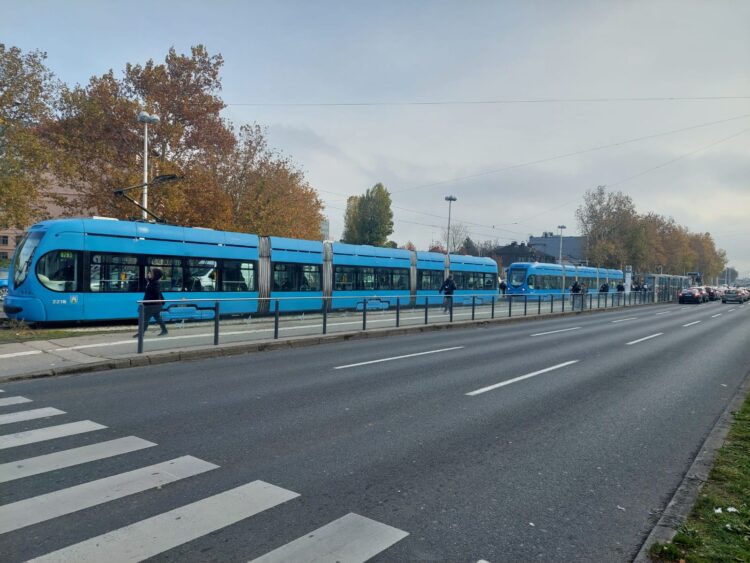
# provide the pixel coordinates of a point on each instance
(387, 52)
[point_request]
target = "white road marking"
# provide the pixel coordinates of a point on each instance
(399, 357)
(644, 338)
(13, 401)
(691, 324)
(716, 315)
(16, 354)
(556, 331)
(33, 510)
(664, 312)
(159, 533)
(732, 309)
(351, 538)
(68, 458)
(623, 320)
(48, 433)
(521, 378)
(29, 415)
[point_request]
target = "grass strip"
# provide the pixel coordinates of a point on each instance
(718, 528)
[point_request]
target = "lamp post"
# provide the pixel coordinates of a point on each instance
(146, 118)
(561, 227)
(450, 199)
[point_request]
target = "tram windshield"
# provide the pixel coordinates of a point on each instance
(517, 277)
(23, 256)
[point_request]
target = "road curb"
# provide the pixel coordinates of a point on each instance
(684, 498)
(238, 348)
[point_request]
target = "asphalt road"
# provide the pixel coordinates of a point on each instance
(560, 439)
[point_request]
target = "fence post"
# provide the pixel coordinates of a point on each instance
(551, 302)
(398, 311)
(473, 305)
(451, 308)
(216, 323)
(538, 304)
(563, 301)
(510, 305)
(426, 307)
(493, 307)
(591, 301)
(141, 327)
(325, 316)
(364, 315)
(525, 304)
(276, 321)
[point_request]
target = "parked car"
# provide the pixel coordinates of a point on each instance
(733, 296)
(3, 283)
(690, 295)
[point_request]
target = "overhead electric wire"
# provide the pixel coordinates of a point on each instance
(566, 155)
(492, 102)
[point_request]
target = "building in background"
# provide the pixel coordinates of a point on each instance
(573, 248)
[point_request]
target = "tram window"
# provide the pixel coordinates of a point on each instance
(310, 278)
(366, 278)
(58, 270)
(531, 281)
(283, 277)
(429, 279)
(517, 277)
(113, 273)
(171, 269)
(400, 279)
(237, 275)
(24, 254)
(345, 278)
(200, 275)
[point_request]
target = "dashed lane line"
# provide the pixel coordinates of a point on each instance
(556, 331)
(520, 378)
(623, 320)
(644, 338)
(716, 315)
(399, 357)
(693, 323)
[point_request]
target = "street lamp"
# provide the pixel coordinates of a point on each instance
(146, 118)
(450, 199)
(561, 227)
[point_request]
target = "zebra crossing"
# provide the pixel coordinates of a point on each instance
(350, 538)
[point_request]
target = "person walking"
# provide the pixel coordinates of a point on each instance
(448, 287)
(153, 309)
(575, 290)
(503, 286)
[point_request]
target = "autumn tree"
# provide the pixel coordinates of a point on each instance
(459, 233)
(368, 218)
(607, 220)
(27, 91)
(100, 141)
(268, 195)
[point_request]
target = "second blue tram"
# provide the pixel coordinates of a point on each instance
(535, 278)
(71, 270)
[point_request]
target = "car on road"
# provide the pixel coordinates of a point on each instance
(3, 283)
(733, 296)
(690, 295)
(713, 293)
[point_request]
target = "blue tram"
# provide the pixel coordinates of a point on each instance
(535, 278)
(72, 270)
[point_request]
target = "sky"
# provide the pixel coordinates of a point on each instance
(515, 108)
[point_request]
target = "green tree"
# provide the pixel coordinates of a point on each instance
(27, 92)
(368, 218)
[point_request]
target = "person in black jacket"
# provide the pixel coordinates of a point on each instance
(153, 294)
(448, 287)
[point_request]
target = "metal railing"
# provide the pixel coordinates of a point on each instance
(380, 309)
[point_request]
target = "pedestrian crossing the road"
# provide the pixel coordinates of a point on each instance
(350, 538)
